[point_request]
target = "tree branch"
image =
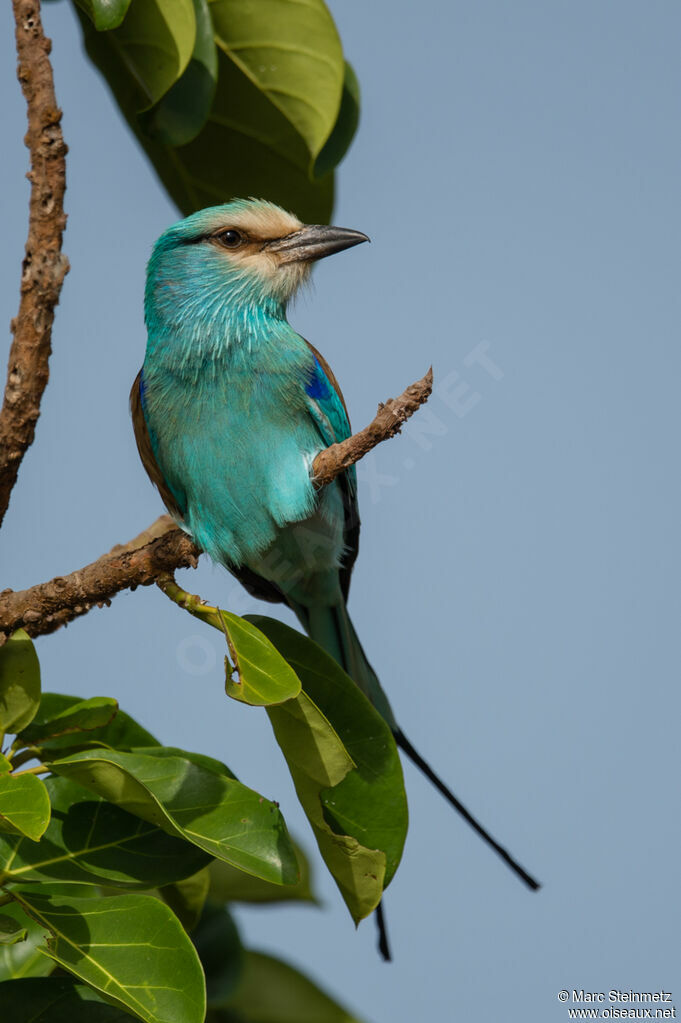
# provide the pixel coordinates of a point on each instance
(164, 547)
(387, 422)
(43, 608)
(44, 266)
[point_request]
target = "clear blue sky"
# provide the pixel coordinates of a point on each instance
(518, 169)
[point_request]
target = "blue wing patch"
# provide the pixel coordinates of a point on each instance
(326, 408)
(318, 387)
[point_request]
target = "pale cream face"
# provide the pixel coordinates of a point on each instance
(247, 250)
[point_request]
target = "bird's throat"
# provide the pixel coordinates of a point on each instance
(219, 334)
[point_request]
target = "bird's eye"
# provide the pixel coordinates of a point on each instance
(230, 239)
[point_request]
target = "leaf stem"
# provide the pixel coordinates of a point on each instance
(189, 601)
(198, 607)
(38, 769)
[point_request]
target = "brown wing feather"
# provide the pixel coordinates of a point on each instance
(146, 451)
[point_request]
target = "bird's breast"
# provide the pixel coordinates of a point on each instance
(239, 452)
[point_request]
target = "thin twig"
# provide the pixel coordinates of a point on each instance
(387, 422)
(46, 607)
(162, 548)
(44, 266)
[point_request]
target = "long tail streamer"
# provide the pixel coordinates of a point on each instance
(404, 744)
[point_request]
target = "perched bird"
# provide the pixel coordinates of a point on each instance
(232, 406)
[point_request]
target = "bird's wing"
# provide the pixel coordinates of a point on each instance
(146, 450)
(327, 407)
(329, 411)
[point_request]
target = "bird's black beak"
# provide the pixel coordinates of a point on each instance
(314, 241)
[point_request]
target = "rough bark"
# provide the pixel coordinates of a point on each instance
(163, 547)
(44, 266)
(44, 608)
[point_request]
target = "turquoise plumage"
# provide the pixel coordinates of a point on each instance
(232, 406)
(236, 405)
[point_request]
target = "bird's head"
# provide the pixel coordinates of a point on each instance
(248, 251)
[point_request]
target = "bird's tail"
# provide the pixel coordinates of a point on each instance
(330, 626)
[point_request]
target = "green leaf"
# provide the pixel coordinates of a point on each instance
(200, 759)
(5, 765)
(271, 991)
(292, 54)
(131, 948)
(84, 716)
(243, 108)
(246, 147)
(19, 682)
(22, 959)
(11, 930)
(88, 840)
(179, 116)
(105, 14)
(217, 942)
(318, 760)
(123, 732)
(187, 898)
(24, 805)
(345, 767)
(55, 1000)
(227, 884)
(264, 677)
(344, 129)
(214, 812)
(154, 42)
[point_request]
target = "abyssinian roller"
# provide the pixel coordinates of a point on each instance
(230, 409)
